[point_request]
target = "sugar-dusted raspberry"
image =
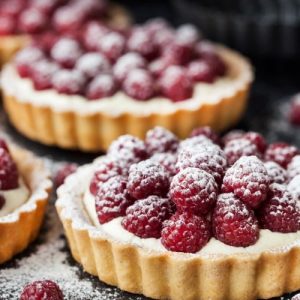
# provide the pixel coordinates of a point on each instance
(248, 179)
(69, 82)
(112, 199)
(139, 84)
(238, 148)
(104, 85)
(294, 188)
(145, 217)
(179, 52)
(160, 140)
(9, 175)
(256, 139)
(167, 160)
(26, 58)
(201, 71)
(156, 25)
(93, 32)
(207, 157)
(163, 38)
(128, 148)
(185, 233)
(293, 168)
(194, 142)
(281, 153)
(279, 212)
(193, 190)
(7, 25)
(207, 132)
(187, 34)
(148, 178)
(294, 113)
(63, 173)
(126, 63)
(66, 52)
(3, 145)
(296, 297)
(46, 7)
(175, 84)
(2, 201)
(105, 169)
(157, 66)
(232, 135)
(33, 21)
(233, 222)
(40, 290)
(12, 8)
(276, 173)
(92, 64)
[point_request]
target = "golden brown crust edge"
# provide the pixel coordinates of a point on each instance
(19, 229)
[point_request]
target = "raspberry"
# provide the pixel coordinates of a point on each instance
(238, 148)
(207, 157)
(33, 21)
(187, 34)
(148, 178)
(194, 191)
(156, 25)
(232, 135)
(233, 222)
(157, 66)
(276, 173)
(279, 212)
(39, 290)
(112, 199)
(185, 233)
(145, 217)
(9, 175)
(293, 168)
(294, 187)
(281, 153)
(256, 139)
(201, 71)
(207, 132)
(163, 38)
(294, 113)
(2, 201)
(139, 84)
(248, 180)
(178, 52)
(93, 32)
(46, 7)
(63, 173)
(175, 84)
(159, 140)
(12, 8)
(167, 160)
(7, 25)
(106, 169)
(296, 297)
(194, 142)
(45, 41)
(129, 149)
(3, 145)
(104, 85)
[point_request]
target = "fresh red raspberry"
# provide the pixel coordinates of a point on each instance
(167, 160)
(201, 71)
(66, 52)
(7, 25)
(217, 64)
(33, 21)
(281, 153)
(63, 173)
(293, 168)
(46, 7)
(188, 34)
(276, 173)
(139, 84)
(12, 8)
(156, 25)
(129, 149)
(294, 188)
(257, 139)
(2, 201)
(40, 290)
(232, 135)
(294, 113)
(145, 217)
(148, 178)
(163, 38)
(238, 148)
(248, 180)
(157, 66)
(106, 169)
(126, 63)
(194, 142)
(91, 64)
(68, 82)
(233, 222)
(296, 297)
(9, 175)
(112, 199)
(194, 190)
(159, 140)
(178, 52)
(279, 212)
(175, 84)
(207, 157)
(207, 132)
(185, 233)
(104, 85)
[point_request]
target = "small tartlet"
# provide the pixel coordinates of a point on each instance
(19, 228)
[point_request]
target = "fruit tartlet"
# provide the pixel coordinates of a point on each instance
(24, 20)
(201, 218)
(24, 192)
(83, 92)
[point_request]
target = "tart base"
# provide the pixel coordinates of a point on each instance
(20, 228)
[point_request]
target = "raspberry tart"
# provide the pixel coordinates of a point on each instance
(22, 21)
(206, 224)
(24, 192)
(83, 92)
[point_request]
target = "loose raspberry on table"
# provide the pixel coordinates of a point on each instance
(145, 217)
(256, 139)
(2, 201)
(233, 222)
(206, 131)
(9, 175)
(167, 160)
(294, 187)
(279, 212)
(276, 173)
(112, 199)
(193, 190)
(159, 140)
(232, 135)
(185, 233)
(63, 173)
(41, 290)
(281, 153)
(248, 180)
(148, 178)
(293, 168)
